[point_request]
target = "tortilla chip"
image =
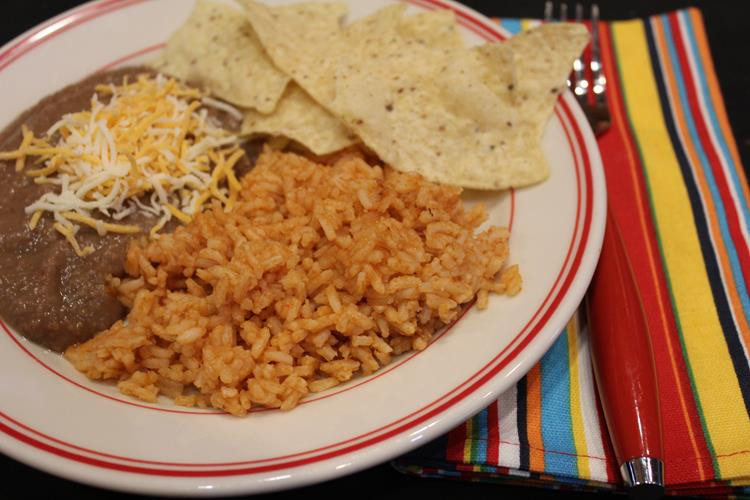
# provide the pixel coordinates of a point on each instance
(530, 69)
(426, 110)
(216, 48)
(437, 28)
(542, 60)
(421, 134)
(300, 118)
(496, 62)
(296, 37)
(434, 108)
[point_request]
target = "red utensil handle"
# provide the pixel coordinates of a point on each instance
(623, 358)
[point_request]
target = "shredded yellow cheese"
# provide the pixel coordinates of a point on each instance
(35, 219)
(68, 233)
(102, 227)
(179, 214)
(143, 146)
(25, 143)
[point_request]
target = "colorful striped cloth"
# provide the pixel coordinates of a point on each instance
(680, 196)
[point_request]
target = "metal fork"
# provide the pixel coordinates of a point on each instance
(594, 105)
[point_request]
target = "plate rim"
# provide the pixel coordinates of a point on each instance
(534, 346)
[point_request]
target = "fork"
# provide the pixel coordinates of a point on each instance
(621, 350)
(594, 107)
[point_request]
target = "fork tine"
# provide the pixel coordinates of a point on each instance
(596, 112)
(581, 86)
(598, 78)
(578, 74)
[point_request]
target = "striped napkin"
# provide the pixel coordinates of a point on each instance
(680, 196)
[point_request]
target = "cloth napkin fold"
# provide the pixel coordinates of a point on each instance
(680, 196)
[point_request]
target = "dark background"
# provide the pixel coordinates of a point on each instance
(728, 34)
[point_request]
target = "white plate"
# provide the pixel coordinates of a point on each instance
(53, 418)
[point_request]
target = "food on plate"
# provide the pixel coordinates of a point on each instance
(79, 185)
(529, 70)
(425, 107)
(316, 274)
(406, 86)
(132, 191)
(152, 138)
(436, 28)
(217, 48)
(299, 118)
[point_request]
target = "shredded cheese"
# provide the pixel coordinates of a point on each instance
(68, 233)
(147, 146)
(35, 219)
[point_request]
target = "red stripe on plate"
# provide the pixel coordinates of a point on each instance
(60, 25)
(124, 59)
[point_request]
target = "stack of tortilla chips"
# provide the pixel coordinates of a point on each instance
(405, 87)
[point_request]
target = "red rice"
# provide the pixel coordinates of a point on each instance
(317, 274)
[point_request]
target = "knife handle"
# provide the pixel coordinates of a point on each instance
(624, 366)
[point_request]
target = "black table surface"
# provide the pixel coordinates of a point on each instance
(728, 36)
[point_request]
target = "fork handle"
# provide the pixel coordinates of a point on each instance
(624, 368)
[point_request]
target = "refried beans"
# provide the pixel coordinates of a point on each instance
(48, 293)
